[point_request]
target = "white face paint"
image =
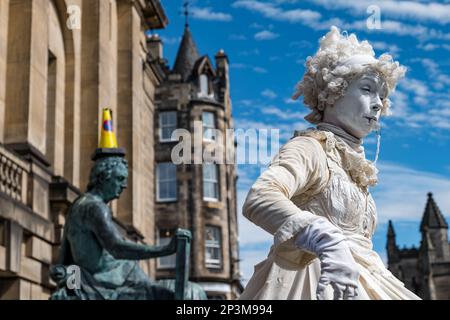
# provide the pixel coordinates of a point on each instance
(358, 111)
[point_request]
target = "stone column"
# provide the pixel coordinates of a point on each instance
(98, 76)
(25, 120)
(4, 13)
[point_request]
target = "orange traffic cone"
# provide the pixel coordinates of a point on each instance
(107, 136)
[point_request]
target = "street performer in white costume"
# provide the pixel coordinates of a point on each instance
(314, 197)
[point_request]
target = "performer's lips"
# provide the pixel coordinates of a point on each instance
(371, 118)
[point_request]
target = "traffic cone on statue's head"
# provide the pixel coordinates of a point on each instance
(107, 146)
(107, 136)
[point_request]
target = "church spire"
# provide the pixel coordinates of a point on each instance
(391, 246)
(432, 216)
(187, 52)
(391, 232)
(186, 13)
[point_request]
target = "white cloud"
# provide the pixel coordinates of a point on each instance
(208, 14)
(286, 128)
(273, 12)
(433, 46)
(312, 19)
(423, 104)
(408, 10)
(416, 86)
(246, 102)
(287, 1)
(428, 46)
(383, 46)
(300, 44)
(247, 66)
(240, 37)
(269, 94)
(401, 193)
(266, 35)
(254, 52)
(255, 25)
(399, 104)
(439, 79)
(290, 101)
(259, 70)
(284, 114)
(170, 40)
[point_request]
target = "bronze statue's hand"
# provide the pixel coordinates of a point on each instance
(180, 233)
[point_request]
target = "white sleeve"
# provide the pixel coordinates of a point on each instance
(299, 167)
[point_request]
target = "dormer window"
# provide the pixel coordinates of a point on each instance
(204, 86)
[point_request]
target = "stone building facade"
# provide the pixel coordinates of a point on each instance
(424, 270)
(195, 194)
(61, 62)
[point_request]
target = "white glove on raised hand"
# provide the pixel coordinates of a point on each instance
(338, 267)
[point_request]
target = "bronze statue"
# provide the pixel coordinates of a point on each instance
(107, 263)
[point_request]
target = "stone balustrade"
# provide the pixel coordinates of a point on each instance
(13, 176)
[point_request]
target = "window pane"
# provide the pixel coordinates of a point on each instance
(168, 118)
(207, 189)
(167, 261)
(167, 181)
(213, 256)
(167, 124)
(172, 171)
(206, 171)
(208, 119)
(210, 181)
(208, 133)
(210, 171)
(166, 133)
(162, 190)
(203, 84)
(216, 253)
(172, 189)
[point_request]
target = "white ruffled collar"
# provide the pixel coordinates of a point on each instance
(362, 171)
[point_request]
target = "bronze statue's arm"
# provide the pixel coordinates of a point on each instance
(109, 237)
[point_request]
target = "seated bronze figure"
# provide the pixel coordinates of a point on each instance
(107, 262)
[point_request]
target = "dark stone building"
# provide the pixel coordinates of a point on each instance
(424, 270)
(194, 97)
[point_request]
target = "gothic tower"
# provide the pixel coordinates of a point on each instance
(424, 270)
(391, 246)
(191, 192)
(435, 227)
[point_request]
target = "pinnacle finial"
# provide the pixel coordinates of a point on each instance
(186, 13)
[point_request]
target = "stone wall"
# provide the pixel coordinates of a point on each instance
(55, 78)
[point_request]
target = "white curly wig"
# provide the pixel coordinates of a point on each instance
(339, 60)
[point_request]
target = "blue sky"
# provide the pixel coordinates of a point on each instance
(267, 43)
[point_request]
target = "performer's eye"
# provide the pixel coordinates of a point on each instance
(367, 89)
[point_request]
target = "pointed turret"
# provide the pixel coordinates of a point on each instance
(187, 55)
(391, 246)
(434, 230)
(432, 216)
(391, 232)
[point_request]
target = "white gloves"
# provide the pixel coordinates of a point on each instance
(338, 267)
